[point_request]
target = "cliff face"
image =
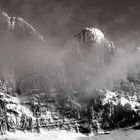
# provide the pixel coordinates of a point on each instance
(91, 53)
(92, 40)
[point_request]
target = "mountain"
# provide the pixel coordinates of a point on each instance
(19, 27)
(18, 38)
(69, 107)
(94, 38)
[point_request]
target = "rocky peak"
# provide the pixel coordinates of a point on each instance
(19, 27)
(93, 40)
(91, 36)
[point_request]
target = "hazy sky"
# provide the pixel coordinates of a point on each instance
(118, 19)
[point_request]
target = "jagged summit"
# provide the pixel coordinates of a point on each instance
(19, 27)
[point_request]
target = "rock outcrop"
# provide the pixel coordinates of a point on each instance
(94, 41)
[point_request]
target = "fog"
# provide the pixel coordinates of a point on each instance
(67, 65)
(58, 58)
(59, 22)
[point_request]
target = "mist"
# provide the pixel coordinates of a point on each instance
(62, 63)
(59, 62)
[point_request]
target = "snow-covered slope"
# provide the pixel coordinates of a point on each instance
(14, 110)
(115, 109)
(115, 98)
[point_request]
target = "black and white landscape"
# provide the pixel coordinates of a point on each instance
(69, 69)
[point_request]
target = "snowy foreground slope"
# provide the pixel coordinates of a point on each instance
(108, 111)
(49, 135)
(63, 135)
